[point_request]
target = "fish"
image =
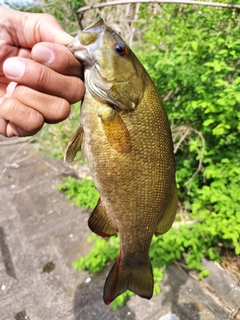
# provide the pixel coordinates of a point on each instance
(125, 136)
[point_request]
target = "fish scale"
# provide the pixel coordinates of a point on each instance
(125, 136)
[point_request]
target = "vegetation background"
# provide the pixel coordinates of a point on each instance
(192, 52)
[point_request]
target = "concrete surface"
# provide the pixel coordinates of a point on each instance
(41, 233)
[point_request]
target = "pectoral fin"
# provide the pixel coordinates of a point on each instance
(116, 131)
(100, 223)
(74, 145)
(167, 220)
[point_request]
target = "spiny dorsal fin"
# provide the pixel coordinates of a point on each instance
(100, 223)
(74, 145)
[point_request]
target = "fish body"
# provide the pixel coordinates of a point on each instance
(125, 136)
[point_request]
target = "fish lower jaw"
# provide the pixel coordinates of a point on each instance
(84, 58)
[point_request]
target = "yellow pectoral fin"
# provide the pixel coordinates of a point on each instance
(74, 145)
(167, 220)
(116, 131)
(100, 223)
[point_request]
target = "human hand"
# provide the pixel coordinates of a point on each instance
(38, 77)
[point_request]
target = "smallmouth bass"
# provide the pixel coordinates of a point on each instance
(125, 136)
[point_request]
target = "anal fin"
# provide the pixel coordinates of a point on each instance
(74, 145)
(100, 223)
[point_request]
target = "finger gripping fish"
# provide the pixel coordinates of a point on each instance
(125, 136)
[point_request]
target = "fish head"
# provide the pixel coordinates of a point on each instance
(112, 71)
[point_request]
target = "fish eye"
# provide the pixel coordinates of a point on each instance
(121, 49)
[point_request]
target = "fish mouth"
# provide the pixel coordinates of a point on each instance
(75, 45)
(87, 41)
(81, 52)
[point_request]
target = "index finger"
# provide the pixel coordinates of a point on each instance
(41, 78)
(58, 58)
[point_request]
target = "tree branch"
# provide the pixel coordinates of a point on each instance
(121, 2)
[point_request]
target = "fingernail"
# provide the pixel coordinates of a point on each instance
(63, 38)
(43, 54)
(14, 68)
(10, 88)
(12, 130)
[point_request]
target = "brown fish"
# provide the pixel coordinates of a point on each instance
(125, 136)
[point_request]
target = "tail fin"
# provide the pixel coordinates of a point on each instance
(138, 279)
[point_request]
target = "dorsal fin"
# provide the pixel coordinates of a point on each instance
(169, 215)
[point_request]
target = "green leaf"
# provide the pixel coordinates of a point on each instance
(221, 129)
(237, 96)
(208, 122)
(194, 45)
(203, 274)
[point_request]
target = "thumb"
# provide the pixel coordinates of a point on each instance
(47, 28)
(63, 37)
(30, 28)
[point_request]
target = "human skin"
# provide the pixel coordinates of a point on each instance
(39, 76)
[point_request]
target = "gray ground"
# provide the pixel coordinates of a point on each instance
(41, 233)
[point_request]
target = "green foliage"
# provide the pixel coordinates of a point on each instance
(81, 191)
(218, 205)
(194, 62)
(121, 300)
(102, 252)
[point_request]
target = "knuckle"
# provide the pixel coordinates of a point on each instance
(33, 119)
(40, 78)
(48, 17)
(24, 117)
(77, 90)
(59, 112)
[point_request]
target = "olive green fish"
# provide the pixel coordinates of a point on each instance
(125, 136)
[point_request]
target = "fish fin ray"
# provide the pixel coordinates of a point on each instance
(116, 132)
(100, 223)
(138, 279)
(167, 220)
(75, 144)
